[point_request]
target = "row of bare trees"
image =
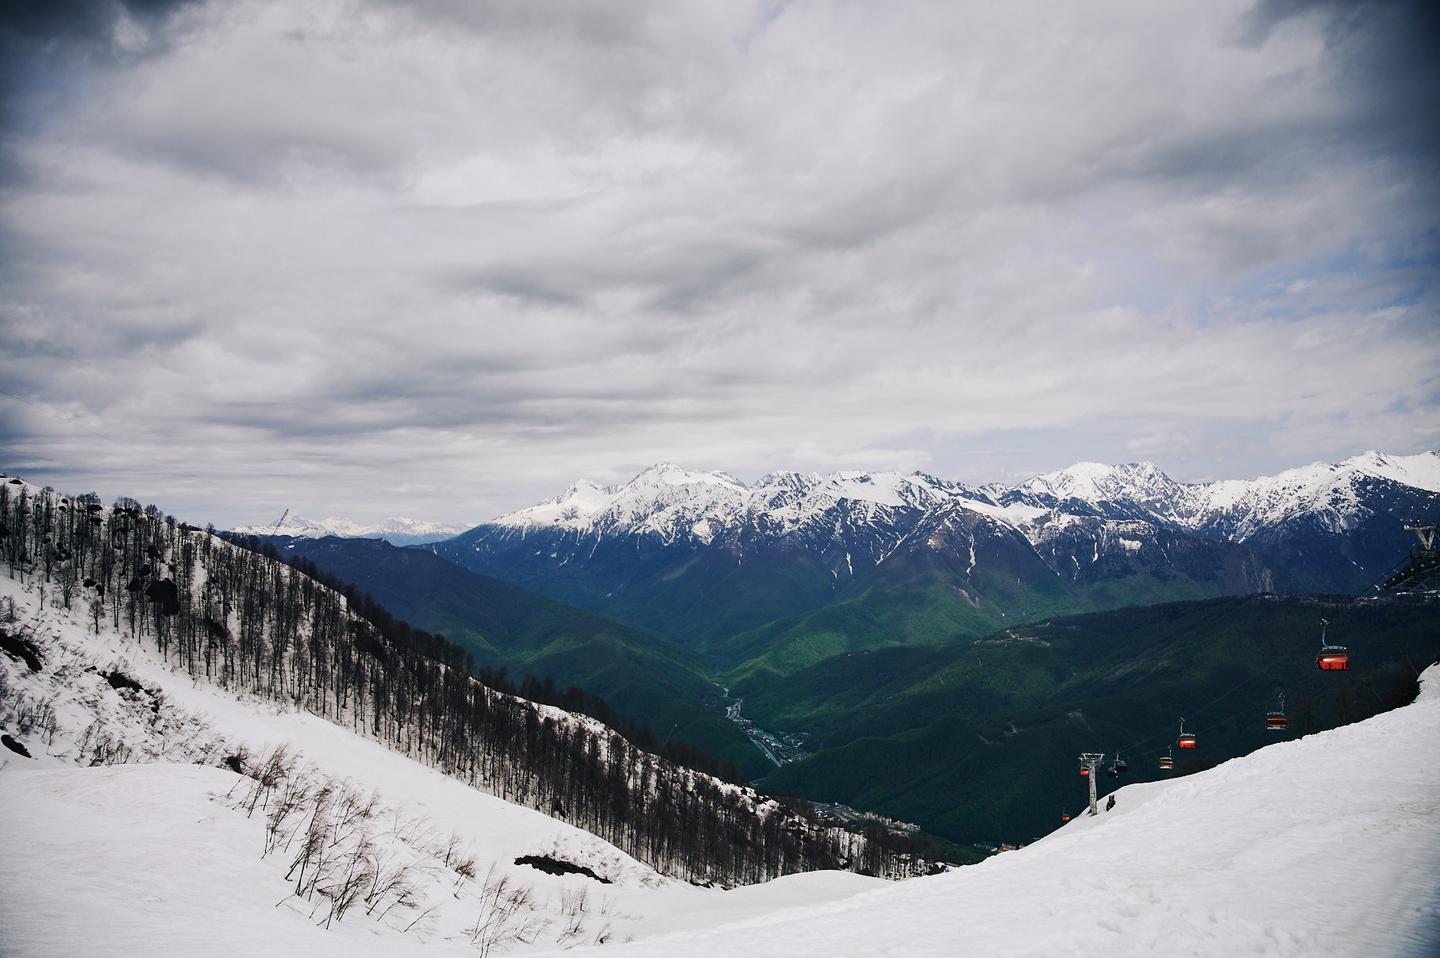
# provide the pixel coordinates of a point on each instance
(246, 622)
(344, 856)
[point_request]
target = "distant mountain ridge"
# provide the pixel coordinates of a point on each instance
(798, 566)
(674, 502)
(398, 530)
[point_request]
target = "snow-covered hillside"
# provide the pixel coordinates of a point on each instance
(398, 530)
(151, 851)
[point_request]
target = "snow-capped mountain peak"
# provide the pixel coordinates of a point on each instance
(1421, 471)
(665, 498)
(574, 507)
(669, 474)
(1140, 483)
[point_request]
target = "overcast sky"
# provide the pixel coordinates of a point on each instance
(441, 258)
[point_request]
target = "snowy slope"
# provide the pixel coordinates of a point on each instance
(1139, 483)
(1237, 509)
(1327, 845)
(158, 860)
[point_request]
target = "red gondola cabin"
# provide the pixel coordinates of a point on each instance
(1276, 721)
(1186, 741)
(1332, 658)
(1166, 762)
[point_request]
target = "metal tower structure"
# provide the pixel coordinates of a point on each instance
(1422, 565)
(1092, 760)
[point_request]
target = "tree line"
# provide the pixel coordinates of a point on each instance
(546, 691)
(241, 620)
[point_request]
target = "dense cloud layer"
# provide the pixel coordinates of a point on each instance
(263, 254)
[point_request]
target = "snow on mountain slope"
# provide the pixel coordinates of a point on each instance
(154, 858)
(673, 502)
(1139, 483)
(677, 503)
(645, 549)
(150, 860)
(1422, 471)
(1326, 845)
(1334, 491)
(1235, 508)
(665, 499)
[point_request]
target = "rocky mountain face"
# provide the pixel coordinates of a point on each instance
(702, 556)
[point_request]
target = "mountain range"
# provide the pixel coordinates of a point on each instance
(782, 573)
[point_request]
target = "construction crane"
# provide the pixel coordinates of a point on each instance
(1422, 565)
(279, 522)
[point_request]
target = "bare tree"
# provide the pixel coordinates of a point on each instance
(506, 914)
(574, 903)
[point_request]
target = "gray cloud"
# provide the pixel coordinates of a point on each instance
(329, 255)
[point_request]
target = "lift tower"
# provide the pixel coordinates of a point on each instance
(1091, 761)
(1423, 563)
